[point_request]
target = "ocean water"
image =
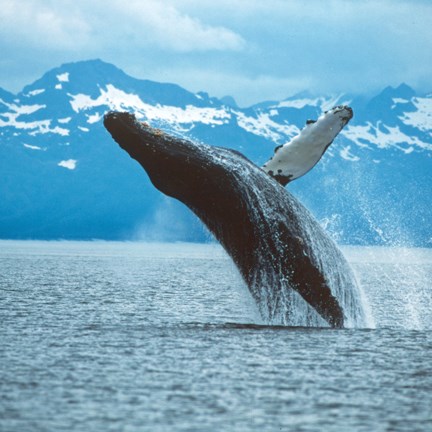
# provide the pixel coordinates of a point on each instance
(101, 336)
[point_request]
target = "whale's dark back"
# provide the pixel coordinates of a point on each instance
(281, 251)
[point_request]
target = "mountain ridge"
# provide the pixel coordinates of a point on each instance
(58, 160)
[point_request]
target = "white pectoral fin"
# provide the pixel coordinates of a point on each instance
(301, 154)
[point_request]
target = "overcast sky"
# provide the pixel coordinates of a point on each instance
(254, 50)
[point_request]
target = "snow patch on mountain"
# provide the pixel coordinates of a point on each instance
(69, 164)
(35, 92)
(118, 100)
(397, 101)
(264, 126)
(323, 103)
(400, 100)
(299, 103)
(422, 117)
(93, 118)
(44, 127)
(10, 119)
(64, 77)
(18, 110)
(383, 136)
(33, 147)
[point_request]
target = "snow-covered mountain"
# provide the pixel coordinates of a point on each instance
(63, 176)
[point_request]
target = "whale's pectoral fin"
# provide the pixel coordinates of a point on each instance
(295, 158)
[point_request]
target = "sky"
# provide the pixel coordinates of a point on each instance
(253, 50)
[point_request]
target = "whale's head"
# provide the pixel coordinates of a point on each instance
(177, 167)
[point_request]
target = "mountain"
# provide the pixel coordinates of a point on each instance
(64, 177)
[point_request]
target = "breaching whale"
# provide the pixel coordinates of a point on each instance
(279, 248)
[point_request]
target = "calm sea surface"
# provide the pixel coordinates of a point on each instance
(101, 336)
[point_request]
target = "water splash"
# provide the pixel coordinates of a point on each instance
(397, 282)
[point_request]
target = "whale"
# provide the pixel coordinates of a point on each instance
(280, 250)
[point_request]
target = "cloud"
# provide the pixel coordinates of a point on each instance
(32, 23)
(81, 24)
(246, 89)
(164, 25)
(251, 49)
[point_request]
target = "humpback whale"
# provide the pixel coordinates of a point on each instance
(281, 251)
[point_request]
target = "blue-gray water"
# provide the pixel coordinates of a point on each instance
(137, 337)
